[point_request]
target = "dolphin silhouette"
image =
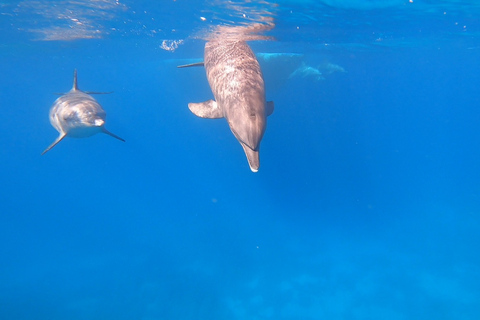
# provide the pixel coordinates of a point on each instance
(77, 114)
(236, 80)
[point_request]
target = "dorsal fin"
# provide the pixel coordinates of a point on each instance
(75, 86)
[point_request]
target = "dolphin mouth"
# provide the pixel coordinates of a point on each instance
(245, 143)
(253, 157)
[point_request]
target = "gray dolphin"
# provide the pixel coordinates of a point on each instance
(77, 114)
(236, 80)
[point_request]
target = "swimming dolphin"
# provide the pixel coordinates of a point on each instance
(236, 80)
(77, 114)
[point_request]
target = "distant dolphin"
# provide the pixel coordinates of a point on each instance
(236, 80)
(77, 114)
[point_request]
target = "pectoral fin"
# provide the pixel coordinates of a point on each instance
(111, 134)
(60, 138)
(197, 64)
(208, 109)
(269, 108)
(95, 92)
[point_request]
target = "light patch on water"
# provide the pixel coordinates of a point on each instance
(68, 20)
(351, 4)
(170, 45)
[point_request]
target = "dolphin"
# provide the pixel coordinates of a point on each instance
(236, 81)
(77, 114)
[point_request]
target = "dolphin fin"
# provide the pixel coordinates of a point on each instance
(87, 92)
(196, 64)
(75, 85)
(253, 157)
(95, 92)
(208, 109)
(269, 108)
(60, 138)
(111, 134)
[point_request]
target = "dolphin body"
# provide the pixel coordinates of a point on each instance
(236, 80)
(77, 114)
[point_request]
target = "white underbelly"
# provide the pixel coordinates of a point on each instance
(83, 132)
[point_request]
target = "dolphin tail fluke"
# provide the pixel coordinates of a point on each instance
(60, 138)
(112, 134)
(269, 106)
(197, 64)
(208, 109)
(253, 157)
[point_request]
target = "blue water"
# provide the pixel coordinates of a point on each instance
(366, 204)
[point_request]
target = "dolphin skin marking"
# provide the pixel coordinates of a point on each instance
(77, 114)
(236, 80)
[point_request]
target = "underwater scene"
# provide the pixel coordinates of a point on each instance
(133, 184)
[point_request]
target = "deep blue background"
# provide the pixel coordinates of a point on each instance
(366, 205)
